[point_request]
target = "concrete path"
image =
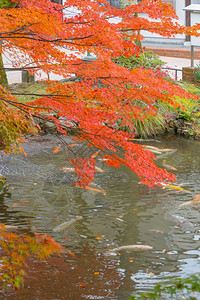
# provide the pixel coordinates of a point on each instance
(176, 63)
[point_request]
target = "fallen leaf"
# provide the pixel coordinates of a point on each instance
(82, 284)
(164, 250)
(96, 273)
(56, 150)
(71, 145)
(4, 207)
(176, 226)
(71, 253)
(120, 216)
(15, 204)
(180, 240)
(150, 273)
(95, 154)
(130, 260)
(24, 202)
(99, 237)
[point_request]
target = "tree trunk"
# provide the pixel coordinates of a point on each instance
(3, 78)
(6, 4)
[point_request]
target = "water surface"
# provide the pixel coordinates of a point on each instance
(128, 214)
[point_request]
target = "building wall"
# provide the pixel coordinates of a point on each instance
(179, 39)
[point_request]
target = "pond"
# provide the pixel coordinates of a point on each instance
(40, 195)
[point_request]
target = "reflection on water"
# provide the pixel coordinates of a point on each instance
(40, 196)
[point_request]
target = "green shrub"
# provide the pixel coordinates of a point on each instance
(146, 59)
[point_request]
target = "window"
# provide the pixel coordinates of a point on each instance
(115, 3)
(169, 1)
(57, 1)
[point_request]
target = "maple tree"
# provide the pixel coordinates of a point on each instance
(16, 248)
(39, 37)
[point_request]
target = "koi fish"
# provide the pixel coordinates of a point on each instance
(96, 190)
(66, 224)
(166, 154)
(65, 169)
(152, 148)
(133, 248)
(195, 201)
(155, 151)
(168, 167)
(103, 159)
(183, 222)
(99, 169)
(167, 150)
(164, 234)
(174, 187)
(72, 169)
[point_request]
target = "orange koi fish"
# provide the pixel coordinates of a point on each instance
(168, 167)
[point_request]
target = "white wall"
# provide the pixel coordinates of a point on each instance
(179, 39)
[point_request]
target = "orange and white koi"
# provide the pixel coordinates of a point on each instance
(99, 169)
(96, 190)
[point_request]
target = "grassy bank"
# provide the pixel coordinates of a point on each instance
(185, 121)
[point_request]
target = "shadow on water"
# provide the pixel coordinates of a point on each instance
(40, 196)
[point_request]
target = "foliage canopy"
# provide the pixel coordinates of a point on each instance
(39, 37)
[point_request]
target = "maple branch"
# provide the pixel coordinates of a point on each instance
(41, 39)
(18, 104)
(42, 95)
(17, 30)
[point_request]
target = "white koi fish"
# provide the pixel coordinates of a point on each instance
(65, 225)
(133, 248)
